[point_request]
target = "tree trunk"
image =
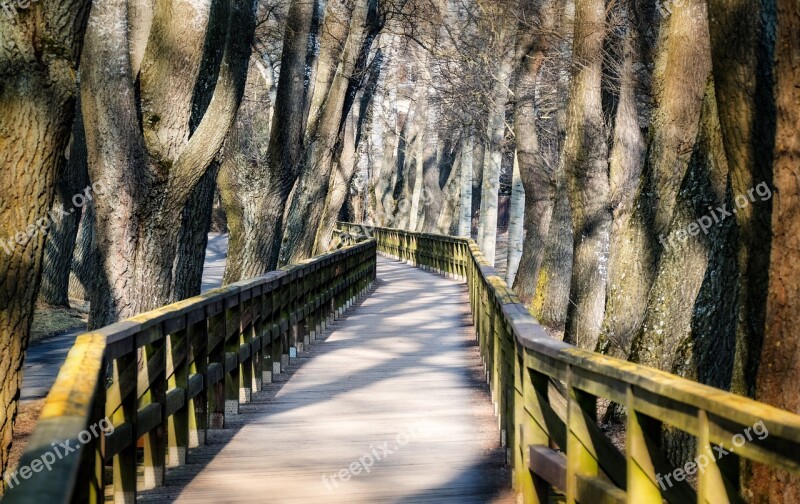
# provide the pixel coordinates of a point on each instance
(551, 300)
(341, 178)
(535, 50)
(477, 183)
(151, 175)
(193, 237)
(493, 160)
(465, 214)
(586, 166)
(779, 369)
(83, 274)
(343, 175)
(60, 243)
(516, 232)
(353, 30)
(263, 162)
(742, 38)
(447, 221)
(38, 64)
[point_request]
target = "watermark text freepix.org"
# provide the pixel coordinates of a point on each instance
(42, 225)
(716, 216)
(59, 451)
(703, 460)
(364, 463)
(10, 6)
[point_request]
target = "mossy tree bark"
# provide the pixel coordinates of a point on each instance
(742, 46)
(646, 196)
(586, 166)
(535, 50)
(37, 103)
(150, 162)
(347, 37)
(264, 159)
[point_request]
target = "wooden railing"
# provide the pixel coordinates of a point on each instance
(553, 438)
(164, 377)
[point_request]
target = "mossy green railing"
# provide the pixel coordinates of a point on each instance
(161, 379)
(553, 439)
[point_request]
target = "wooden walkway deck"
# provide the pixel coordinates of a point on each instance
(389, 407)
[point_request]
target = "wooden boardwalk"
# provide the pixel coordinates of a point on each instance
(389, 407)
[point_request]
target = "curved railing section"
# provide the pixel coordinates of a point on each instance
(152, 385)
(546, 394)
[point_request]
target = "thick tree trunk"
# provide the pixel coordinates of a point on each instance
(779, 369)
(84, 273)
(689, 324)
(586, 167)
(350, 35)
(742, 39)
(37, 101)
(150, 176)
(551, 300)
(63, 232)
(447, 222)
(477, 183)
(263, 163)
(193, 237)
(679, 79)
(414, 175)
(343, 176)
(535, 49)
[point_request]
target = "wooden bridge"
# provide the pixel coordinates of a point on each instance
(354, 378)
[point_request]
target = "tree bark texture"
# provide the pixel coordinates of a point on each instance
(355, 27)
(37, 101)
(780, 359)
(150, 176)
(61, 238)
(586, 166)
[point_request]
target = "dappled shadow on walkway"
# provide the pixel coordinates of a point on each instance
(388, 407)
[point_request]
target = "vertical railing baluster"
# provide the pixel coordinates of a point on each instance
(581, 409)
(123, 380)
(233, 340)
(641, 433)
(178, 423)
(216, 356)
(197, 335)
(154, 369)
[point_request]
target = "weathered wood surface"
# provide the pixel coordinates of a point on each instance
(403, 362)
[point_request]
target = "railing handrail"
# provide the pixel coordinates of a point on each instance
(506, 329)
(238, 352)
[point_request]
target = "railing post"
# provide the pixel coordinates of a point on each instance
(718, 481)
(257, 339)
(233, 340)
(581, 459)
(123, 381)
(178, 423)
(216, 360)
(283, 297)
(155, 440)
(197, 334)
(641, 433)
(245, 340)
(91, 484)
(534, 431)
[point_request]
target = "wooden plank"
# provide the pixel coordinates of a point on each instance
(402, 366)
